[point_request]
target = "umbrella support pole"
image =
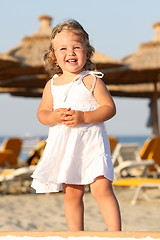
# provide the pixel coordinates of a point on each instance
(155, 100)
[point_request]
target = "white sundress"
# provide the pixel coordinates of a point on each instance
(74, 155)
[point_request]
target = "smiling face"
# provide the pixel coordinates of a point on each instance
(70, 51)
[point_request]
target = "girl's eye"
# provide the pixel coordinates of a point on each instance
(77, 47)
(62, 49)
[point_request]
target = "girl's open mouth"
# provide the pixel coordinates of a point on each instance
(71, 60)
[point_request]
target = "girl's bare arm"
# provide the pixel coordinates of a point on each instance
(106, 108)
(45, 112)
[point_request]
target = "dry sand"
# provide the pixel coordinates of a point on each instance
(45, 212)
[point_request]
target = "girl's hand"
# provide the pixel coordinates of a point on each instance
(60, 112)
(72, 118)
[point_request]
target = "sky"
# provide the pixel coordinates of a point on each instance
(116, 29)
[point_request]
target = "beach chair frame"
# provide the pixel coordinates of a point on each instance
(127, 161)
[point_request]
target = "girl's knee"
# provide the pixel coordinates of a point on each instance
(101, 187)
(73, 192)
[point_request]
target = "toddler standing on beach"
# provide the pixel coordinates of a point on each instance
(75, 104)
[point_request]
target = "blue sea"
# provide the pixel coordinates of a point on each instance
(121, 139)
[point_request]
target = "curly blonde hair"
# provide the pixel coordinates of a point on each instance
(49, 57)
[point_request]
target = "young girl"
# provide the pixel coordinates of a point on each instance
(75, 103)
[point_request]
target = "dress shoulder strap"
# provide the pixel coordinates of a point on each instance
(95, 75)
(52, 85)
(55, 76)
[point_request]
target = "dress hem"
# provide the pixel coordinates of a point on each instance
(47, 188)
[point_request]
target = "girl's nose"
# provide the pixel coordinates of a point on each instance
(71, 52)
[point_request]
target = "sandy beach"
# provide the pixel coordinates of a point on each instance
(45, 212)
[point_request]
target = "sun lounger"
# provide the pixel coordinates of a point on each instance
(147, 148)
(127, 162)
(7, 176)
(113, 142)
(140, 183)
(151, 150)
(36, 153)
(4, 155)
(13, 145)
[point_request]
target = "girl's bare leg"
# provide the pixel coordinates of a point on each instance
(73, 206)
(102, 191)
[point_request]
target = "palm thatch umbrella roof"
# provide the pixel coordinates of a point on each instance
(142, 66)
(102, 61)
(142, 69)
(148, 54)
(28, 77)
(139, 90)
(7, 62)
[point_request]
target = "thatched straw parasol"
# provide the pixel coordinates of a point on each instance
(142, 69)
(102, 61)
(143, 66)
(29, 77)
(7, 62)
(140, 90)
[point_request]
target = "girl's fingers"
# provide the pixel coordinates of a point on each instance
(69, 123)
(67, 118)
(70, 112)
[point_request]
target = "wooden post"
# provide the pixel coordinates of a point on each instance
(156, 121)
